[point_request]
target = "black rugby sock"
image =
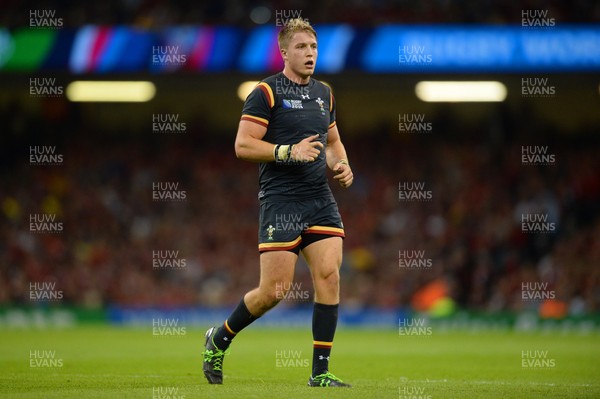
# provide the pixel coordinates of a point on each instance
(239, 319)
(324, 325)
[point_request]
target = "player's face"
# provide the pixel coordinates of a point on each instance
(301, 54)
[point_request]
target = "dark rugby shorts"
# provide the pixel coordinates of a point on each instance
(293, 225)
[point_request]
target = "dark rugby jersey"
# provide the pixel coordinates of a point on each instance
(292, 112)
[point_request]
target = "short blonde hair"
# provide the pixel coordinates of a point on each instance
(292, 26)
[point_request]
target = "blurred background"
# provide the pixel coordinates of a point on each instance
(116, 205)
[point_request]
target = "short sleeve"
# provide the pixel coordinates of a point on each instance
(331, 110)
(258, 105)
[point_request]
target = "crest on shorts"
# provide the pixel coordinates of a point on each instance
(270, 231)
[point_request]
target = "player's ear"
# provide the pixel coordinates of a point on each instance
(283, 54)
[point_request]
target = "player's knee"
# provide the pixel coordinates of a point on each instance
(273, 296)
(279, 292)
(330, 277)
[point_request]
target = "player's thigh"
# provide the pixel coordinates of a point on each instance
(324, 257)
(277, 267)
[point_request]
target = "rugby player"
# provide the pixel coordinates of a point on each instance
(288, 126)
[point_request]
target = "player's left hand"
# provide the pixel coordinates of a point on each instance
(343, 174)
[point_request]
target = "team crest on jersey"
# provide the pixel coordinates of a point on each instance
(295, 104)
(321, 102)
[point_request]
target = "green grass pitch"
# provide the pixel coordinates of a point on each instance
(110, 362)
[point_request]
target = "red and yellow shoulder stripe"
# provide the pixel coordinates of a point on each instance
(266, 89)
(268, 93)
(331, 100)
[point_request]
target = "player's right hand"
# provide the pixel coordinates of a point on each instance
(307, 150)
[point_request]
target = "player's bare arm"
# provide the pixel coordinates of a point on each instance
(249, 143)
(250, 146)
(337, 159)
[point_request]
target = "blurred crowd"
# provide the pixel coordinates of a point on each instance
(160, 13)
(469, 231)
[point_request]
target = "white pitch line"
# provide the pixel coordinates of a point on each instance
(549, 384)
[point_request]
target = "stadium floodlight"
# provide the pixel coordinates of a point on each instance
(110, 91)
(457, 91)
(245, 88)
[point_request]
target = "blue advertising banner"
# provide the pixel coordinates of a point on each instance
(385, 49)
(398, 49)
